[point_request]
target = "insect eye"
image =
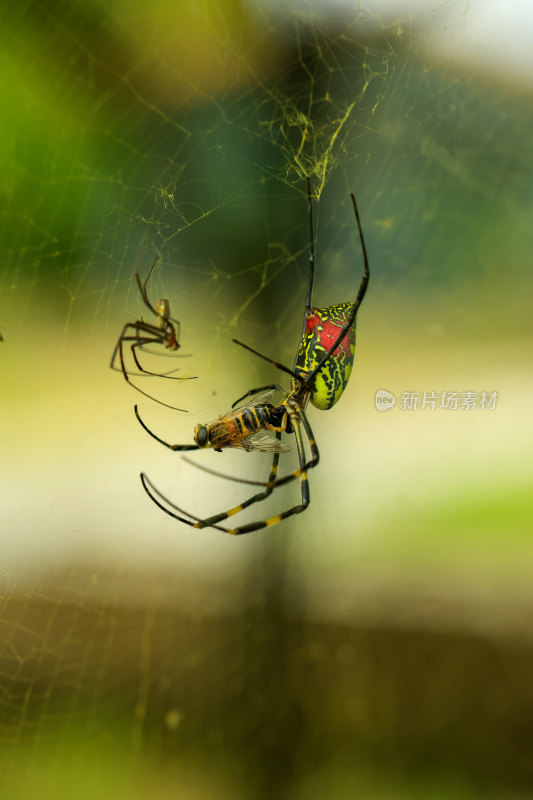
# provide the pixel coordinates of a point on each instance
(200, 434)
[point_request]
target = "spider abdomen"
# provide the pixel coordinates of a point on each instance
(323, 326)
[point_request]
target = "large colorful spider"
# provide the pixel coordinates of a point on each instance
(166, 331)
(321, 371)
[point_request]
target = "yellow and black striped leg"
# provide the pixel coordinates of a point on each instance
(178, 447)
(315, 455)
(211, 522)
(304, 488)
(165, 505)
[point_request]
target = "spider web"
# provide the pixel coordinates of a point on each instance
(184, 132)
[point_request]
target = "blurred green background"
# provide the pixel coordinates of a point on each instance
(379, 645)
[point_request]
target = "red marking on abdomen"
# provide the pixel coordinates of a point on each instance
(328, 334)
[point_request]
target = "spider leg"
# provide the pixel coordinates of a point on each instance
(358, 300)
(120, 339)
(258, 391)
(304, 488)
(151, 491)
(125, 372)
(144, 372)
(210, 522)
(266, 358)
(315, 455)
(140, 343)
(162, 441)
(139, 325)
(158, 337)
(311, 260)
(142, 287)
(221, 474)
(166, 355)
(169, 375)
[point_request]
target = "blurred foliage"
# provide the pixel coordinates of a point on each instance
(270, 705)
(178, 115)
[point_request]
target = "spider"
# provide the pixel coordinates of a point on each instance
(321, 371)
(166, 331)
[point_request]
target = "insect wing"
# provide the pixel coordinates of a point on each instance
(260, 400)
(263, 443)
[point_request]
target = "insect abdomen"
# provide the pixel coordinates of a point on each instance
(239, 425)
(322, 328)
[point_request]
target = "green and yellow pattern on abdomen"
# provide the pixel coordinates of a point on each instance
(322, 329)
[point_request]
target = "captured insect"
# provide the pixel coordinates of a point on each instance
(165, 331)
(320, 374)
